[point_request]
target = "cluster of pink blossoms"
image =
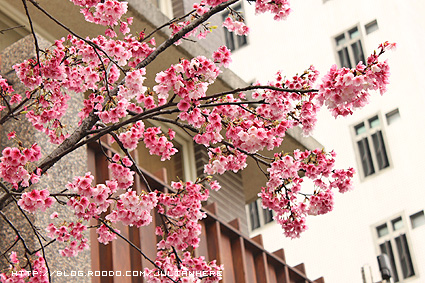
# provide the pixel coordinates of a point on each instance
(92, 201)
(238, 27)
(75, 65)
(183, 210)
(105, 13)
(17, 274)
(133, 209)
(64, 234)
(13, 162)
(343, 90)
(280, 8)
(222, 56)
(222, 160)
(35, 200)
(187, 273)
(282, 193)
(5, 89)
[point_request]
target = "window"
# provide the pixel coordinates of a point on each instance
(165, 6)
(349, 48)
(392, 240)
(234, 41)
(370, 146)
(417, 219)
(257, 215)
(392, 116)
(181, 166)
(371, 27)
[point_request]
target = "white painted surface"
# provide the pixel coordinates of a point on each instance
(337, 245)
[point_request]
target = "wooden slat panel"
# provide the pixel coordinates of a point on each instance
(121, 255)
(239, 260)
(282, 273)
(250, 266)
(202, 250)
(226, 257)
(148, 243)
(272, 273)
(261, 273)
(319, 280)
(135, 257)
(214, 244)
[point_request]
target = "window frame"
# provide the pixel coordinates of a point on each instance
(188, 149)
(391, 238)
(373, 152)
(261, 215)
(348, 44)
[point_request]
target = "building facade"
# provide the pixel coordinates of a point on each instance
(225, 236)
(383, 141)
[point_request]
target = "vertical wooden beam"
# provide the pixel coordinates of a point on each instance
(250, 266)
(239, 260)
(135, 257)
(121, 255)
(262, 274)
(282, 274)
(301, 268)
(227, 259)
(214, 241)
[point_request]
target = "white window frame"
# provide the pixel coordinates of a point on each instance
(391, 237)
(348, 44)
(368, 135)
(261, 215)
(188, 150)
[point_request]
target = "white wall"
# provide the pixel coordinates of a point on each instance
(338, 244)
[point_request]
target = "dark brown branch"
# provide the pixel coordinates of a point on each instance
(36, 233)
(253, 87)
(37, 48)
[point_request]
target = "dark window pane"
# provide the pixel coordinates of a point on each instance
(358, 52)
(397, 224)
(371, 27)
(365, 157)
(230, 43)
(382, 230)
(354, 33)
(417, 219)
(340, 40)
(268, 215)
(387, 249)
(241, 40)
(393, 116)
(253, 215)
(344, 58)
(374, 122)
(404, 254)
(381, 154)
(360, 129)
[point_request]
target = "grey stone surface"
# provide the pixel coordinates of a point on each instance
(74, 164)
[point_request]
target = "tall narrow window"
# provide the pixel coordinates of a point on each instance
(370, 146)
(392, 240)
(257, 215)
(349, 48)
(253, 215)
